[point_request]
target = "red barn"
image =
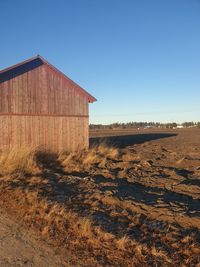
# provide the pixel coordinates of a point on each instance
(40, 106)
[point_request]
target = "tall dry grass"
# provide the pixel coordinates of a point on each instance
(18, 160)
(27, 159)
(89, 157)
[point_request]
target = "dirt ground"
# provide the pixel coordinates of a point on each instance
(163, 177)
(149, 194)
(20, 246)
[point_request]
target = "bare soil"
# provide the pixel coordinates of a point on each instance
(162, 176)
(150, 195)
(20, 246)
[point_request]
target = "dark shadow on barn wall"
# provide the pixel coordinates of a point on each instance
(129, 140)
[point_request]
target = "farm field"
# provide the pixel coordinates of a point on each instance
(133, 199)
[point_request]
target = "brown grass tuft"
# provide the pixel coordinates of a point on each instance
(88, 158)
(158, 253)
(18, 160)
(85, 227)
(123, 242)
(107, 151)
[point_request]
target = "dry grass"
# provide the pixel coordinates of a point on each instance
(123, 242)
(66, 227)
(85, 228)
(18, 160)
(88, 158)
(158, 253)
(25, 160)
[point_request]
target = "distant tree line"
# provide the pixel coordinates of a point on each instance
(128, 125)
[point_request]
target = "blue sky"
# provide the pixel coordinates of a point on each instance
(139, 58)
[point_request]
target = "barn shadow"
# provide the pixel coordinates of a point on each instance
(123, 141)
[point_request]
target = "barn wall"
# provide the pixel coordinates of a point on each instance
(55, 133)
(41, 91)
(40, 107)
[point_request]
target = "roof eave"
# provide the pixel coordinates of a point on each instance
(92, 99)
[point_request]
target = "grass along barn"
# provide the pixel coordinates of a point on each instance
(40, 106)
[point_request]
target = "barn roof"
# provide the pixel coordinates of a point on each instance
(35, 62)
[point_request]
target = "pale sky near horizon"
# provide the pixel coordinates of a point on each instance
(139, 58)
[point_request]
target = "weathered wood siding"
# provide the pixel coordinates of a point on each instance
(54, 133)
(42, 108)
(41, 91)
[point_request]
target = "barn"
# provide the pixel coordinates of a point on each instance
(40, 106)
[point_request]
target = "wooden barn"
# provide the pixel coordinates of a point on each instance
(40, 106)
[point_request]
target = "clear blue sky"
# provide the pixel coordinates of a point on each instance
(139, 58)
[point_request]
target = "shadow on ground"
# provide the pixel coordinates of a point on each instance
(129, 140)
(139, 193)
(75, 191)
